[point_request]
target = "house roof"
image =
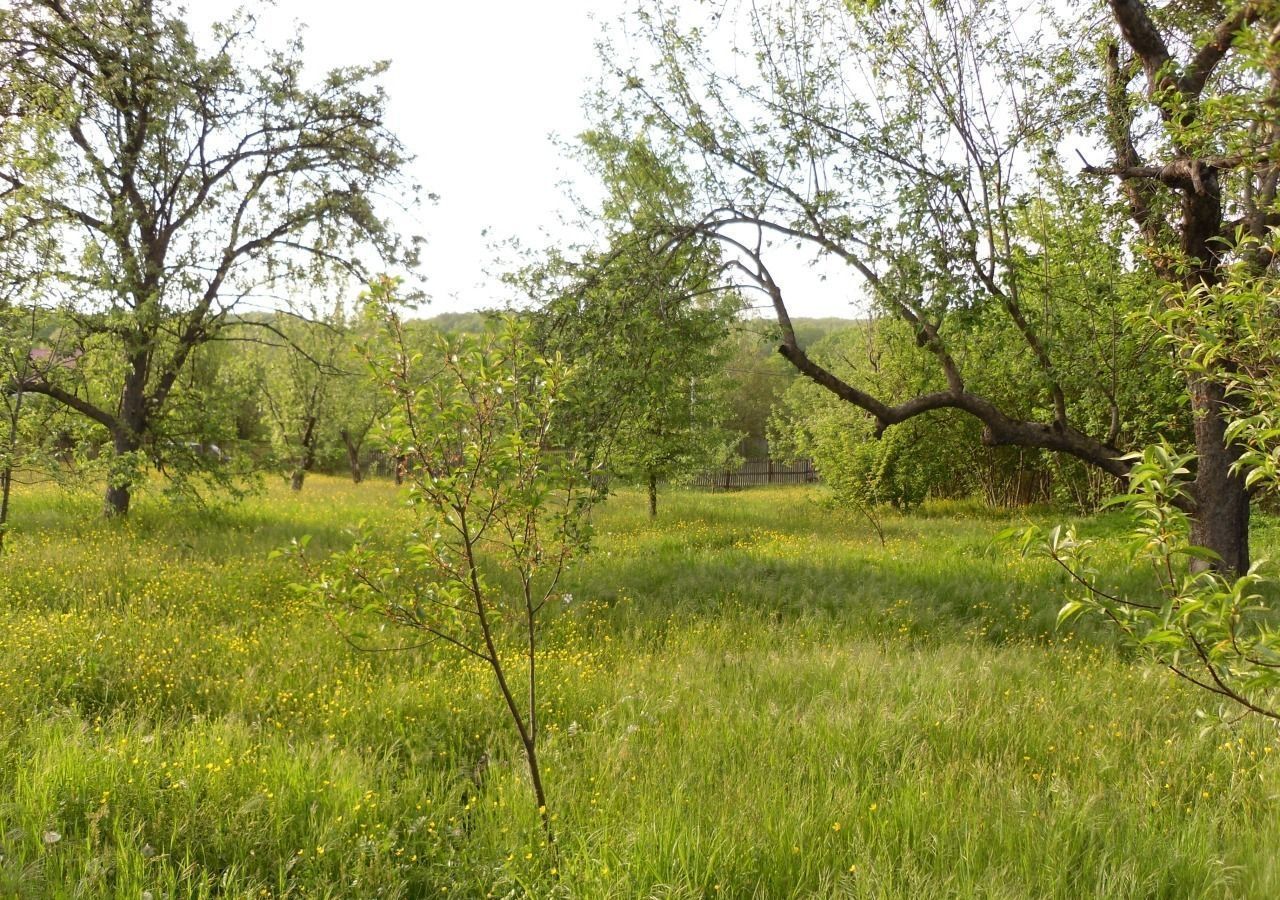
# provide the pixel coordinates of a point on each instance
(49, 357)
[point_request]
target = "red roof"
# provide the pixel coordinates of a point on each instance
(50, 358)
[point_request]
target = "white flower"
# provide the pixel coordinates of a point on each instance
(52, 837)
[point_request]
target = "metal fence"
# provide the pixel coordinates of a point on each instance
(759, 471)
(380, 464)
(751, 473)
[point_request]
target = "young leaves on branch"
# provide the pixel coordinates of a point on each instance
(1213, 629)
(500, 507)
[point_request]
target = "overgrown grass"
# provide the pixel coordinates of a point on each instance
(748, 698)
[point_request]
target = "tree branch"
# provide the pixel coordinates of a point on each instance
(1202, 65)
(1141, 34)
(69, 400)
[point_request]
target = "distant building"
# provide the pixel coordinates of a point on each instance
(45, 358)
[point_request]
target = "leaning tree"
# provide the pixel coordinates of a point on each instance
(904, 141)
(181, 177)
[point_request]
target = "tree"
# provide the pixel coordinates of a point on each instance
(294, 386)
(20, 322)
(314, 394)
(358, 406)
(1199, 186)
(676, 426)
(921, 458)
(1107, 365)
(502, 507)
(178, 181)
(757, 379)
(645, 317)
(1213, 630)
(19, 329)
(37, 436)
(903, 140)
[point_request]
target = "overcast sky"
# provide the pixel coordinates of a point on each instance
(477, 90)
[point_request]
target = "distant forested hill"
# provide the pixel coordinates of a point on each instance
(761, 376)
(459, 322)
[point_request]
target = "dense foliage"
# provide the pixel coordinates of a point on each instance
(929, 154)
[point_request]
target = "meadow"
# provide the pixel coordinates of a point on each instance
(749, 697)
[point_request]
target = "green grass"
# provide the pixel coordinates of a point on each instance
(747, 698)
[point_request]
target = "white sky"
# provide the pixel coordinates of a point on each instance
(476, 90)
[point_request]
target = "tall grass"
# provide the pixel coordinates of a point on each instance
(746, 698)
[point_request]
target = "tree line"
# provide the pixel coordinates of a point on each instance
(1016, 207)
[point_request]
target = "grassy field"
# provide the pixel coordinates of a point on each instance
(749, 698)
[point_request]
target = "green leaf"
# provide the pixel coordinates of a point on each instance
(1070, 610)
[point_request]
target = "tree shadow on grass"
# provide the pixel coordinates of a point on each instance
(958, 592)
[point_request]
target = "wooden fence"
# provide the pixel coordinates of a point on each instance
(758, 471)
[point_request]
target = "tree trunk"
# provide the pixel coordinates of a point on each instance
(6, 476)
(120, 483)
(308, 457)
(6, 479)
(116, 501)
(539, 792)
(653, 496)
(1221, 520)
(126, 437)
(353, 456)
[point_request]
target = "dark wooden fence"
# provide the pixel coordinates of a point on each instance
(758, 471)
